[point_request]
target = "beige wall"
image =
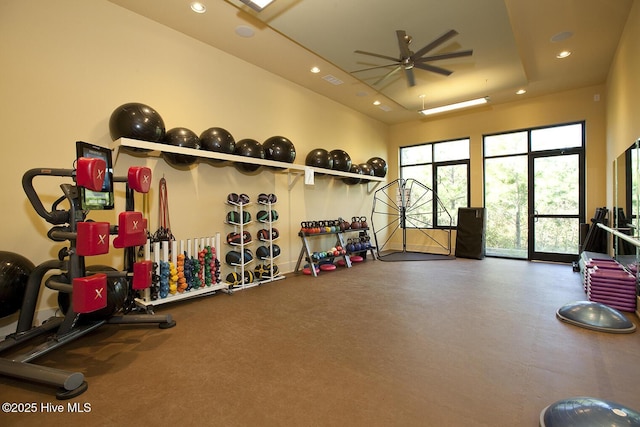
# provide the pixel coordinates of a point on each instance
(570, 106)
(623, 88)
(66, 65)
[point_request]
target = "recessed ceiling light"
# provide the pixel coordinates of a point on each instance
(376, 102)
(521, 92)
(244, 31)
(198, 7)
(315, 70)
(563, 54)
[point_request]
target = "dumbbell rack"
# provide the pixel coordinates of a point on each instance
(306, 253)
(167, 251)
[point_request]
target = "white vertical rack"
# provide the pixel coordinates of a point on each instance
(273, 275)
(161, 252)
(240, 209)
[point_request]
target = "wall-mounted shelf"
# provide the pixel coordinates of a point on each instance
(156, 149)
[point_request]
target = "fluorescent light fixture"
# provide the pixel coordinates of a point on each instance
(456, 106)
(257, 5)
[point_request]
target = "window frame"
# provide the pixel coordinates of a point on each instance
(435, 165)
(530, 153)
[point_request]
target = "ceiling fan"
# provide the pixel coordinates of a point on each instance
(409, 60)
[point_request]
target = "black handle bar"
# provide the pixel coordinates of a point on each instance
(55, 216)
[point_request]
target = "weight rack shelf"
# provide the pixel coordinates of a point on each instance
(156, 149)
(306, 254)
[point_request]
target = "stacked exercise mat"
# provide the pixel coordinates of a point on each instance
(606, 281)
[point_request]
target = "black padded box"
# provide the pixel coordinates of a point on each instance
(470, 238)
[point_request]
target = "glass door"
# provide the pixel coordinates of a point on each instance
(534, 193)
(555, 210)
(506, 205)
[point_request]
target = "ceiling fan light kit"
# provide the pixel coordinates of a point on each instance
(455, 106)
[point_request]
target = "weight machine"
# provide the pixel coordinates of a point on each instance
(85, 291)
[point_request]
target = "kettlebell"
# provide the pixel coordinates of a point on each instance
(363, 222)
(364, 244)
(355, 223)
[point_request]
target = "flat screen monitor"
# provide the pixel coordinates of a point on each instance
(103, 199)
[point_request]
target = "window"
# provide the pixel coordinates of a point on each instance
(444, 168)
(534, 192)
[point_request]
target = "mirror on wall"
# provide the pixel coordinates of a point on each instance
(626, 199)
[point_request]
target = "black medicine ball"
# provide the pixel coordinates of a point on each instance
(180, 137)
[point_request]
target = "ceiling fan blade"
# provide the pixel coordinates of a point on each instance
(389, 74)
(403, 44)
(444, 56)
(433, 69)
(374, 68)
(437, 42)
(377, 55)
(411, 79)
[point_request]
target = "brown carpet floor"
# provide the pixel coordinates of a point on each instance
(435, 343)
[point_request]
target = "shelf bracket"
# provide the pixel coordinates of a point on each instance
(371, 189)
(115, 147)
(296, 177)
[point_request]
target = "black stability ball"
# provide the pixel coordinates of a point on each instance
(249, 148)
(279, 149)
(319, 158)
(353, 181)
(218, 140)
(367, 170)
(180, 137)
(379, 166)
(136, 121)
(341, 160)
(14, 274)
